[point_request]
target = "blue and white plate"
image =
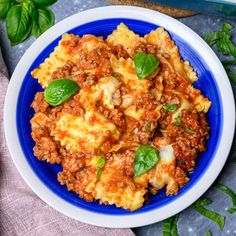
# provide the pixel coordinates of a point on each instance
(42, 177)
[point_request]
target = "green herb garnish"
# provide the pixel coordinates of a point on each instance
(208, 233)
(26, 17)
(178, 123)
(148, 126)
(224, 44)
(100, 164)
(199, 207)
(145, 64)
(170, 226)
(60, 90)
(170, 107)
(145, 159)
(230, 193)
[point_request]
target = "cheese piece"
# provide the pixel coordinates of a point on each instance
(86, 133)
(125, 37)
(164, 172)
(108, 86)
(133, 112)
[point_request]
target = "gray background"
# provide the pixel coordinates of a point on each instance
(190, 222)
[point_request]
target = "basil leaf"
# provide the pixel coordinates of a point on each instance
(227, 27)
(4, 7)
(208, 233)
(100, 164)
(231, 194)
(170, 107)
(60, 90)
(148, 126)
(174, 229)
(229, 62)
(178, 119)
(211, 38)
(44, 3)
(187, 130)
(18, 24)
(231, 74)
(145, 64)
(45, 19)
(170, 226)
(145, 159)
(199, 207)
(31, 9)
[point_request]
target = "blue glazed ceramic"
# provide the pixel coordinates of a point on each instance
(47, 173)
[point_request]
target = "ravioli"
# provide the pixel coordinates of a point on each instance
(86, 133)
(69, 49)
(114, 112)
(125, 37)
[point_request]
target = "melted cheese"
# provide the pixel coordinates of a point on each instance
(85, 134)
(125, 37)
(133, 112)
(164, 172)
(108, 86)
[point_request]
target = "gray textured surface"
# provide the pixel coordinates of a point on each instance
(190, 222)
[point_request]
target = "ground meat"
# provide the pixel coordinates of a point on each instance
(144, 47)
(188, 138)
(64, 71)
(74, 107)
(39, 104)
(46, 149)
(119, 51)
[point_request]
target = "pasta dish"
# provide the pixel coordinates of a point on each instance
(121, 115)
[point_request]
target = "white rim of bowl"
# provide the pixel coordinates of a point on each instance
(120, 221)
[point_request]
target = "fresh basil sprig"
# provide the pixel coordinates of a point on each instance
(145, 64)
(45, 20)
(100, 164)
(26, 17)
(44, 3)
(223, 41)
(208, 233)
(145, 159)
(5, 5)
(170, 107)
(170, 226)
(59, 91)
(199, 206)
(230, 193)
(18, 24)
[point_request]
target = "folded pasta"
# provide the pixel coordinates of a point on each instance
(135, 125)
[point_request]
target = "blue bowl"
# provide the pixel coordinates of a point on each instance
(47, 173)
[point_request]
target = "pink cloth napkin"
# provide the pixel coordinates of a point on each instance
(21, 211)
